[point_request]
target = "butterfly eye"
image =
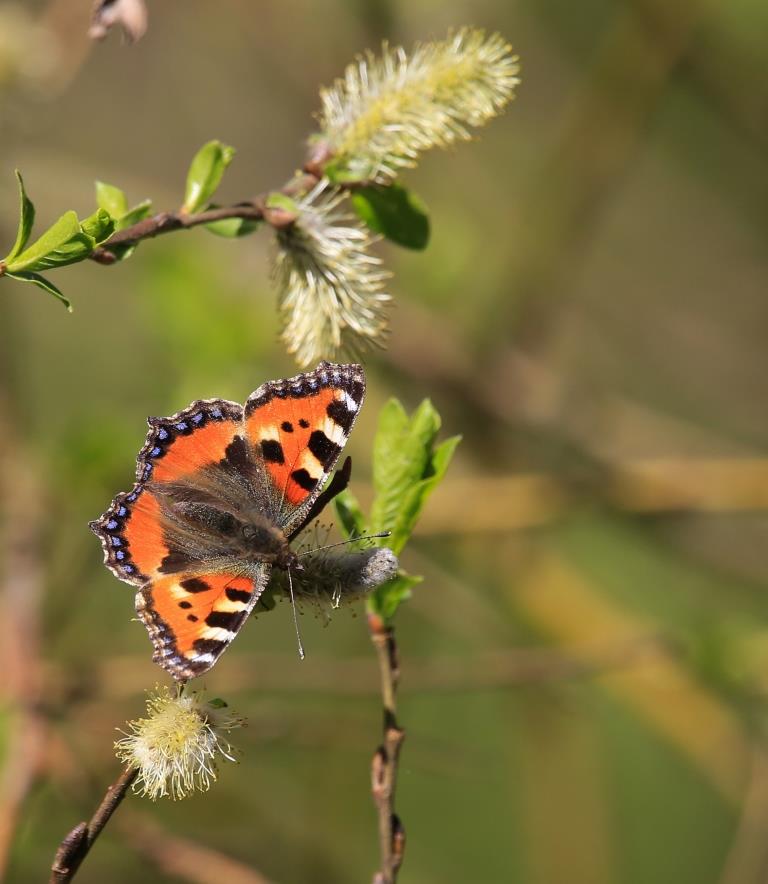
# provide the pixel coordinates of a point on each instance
(248, 532)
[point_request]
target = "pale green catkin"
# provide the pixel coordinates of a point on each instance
(176, 748)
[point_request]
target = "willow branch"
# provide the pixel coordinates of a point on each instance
(255, 209)
(77, 844)
(385, 759)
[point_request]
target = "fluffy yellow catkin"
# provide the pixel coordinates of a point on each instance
(176, 748)
(330, 289)
(376, 120)
(386, 110)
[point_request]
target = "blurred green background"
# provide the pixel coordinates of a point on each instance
(584, 667)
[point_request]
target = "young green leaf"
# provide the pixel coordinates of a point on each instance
(111, 199)
(349, 513)
(337, 172)
(133, 216)
(43, 284)
(407, 466)
(394, 212)
(63, 243)
(98, 226)
(277, 200)
(414, 499)
(386, 599)
(26, 220)
(205, 174)
(232, 228)
(402, 453)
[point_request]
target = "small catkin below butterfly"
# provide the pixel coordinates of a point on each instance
(221, 491)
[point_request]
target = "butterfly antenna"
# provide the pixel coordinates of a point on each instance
(295, 617)
(343, 542)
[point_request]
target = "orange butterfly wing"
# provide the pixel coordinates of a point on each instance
(299, 427)
(131, 531)
(192, 618)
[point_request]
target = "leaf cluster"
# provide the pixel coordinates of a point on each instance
(67, 241)
(408, 464)
(70, 240)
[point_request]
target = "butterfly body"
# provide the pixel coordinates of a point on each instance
(221, 491)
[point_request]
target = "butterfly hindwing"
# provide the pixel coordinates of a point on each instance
(298, 427)
(192, 617)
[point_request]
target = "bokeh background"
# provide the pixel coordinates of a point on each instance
(584, 667)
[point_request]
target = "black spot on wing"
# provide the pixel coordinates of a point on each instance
(208, 646)
(324, 449)
(230, 620)
(238, 595)
(236, 455)
(304, 424)
(339, 413)
(304, 480)
(175, 562)
(272, 451)
(286, 427)
(195, 584)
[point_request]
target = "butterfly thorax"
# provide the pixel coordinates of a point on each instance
(202, 526)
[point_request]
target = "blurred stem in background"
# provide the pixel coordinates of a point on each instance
(22, 525)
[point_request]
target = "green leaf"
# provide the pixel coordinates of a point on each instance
(406, 469)
(98, 226)
(232, 228)
(394, 212)
(26, 220)
(337, 172)
(413, 501)
(122, 251)
(387, 598)
(63, 243)
(42, 283)
(133, 216)
(205, 174)
(401, 456)
(349, 513)
(111, 199)
(277, 200)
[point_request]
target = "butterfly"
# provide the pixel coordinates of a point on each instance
(221, 491)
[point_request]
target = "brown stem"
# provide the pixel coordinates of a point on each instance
(22, 581)
(76, 845)
(166, 222)
(385, 759)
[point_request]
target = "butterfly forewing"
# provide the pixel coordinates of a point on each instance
(299, 427)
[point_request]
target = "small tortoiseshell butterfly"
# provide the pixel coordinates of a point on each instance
(221, 490)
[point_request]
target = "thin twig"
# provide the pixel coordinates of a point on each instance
(76, 845)
(255, 209)
(385, 759)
